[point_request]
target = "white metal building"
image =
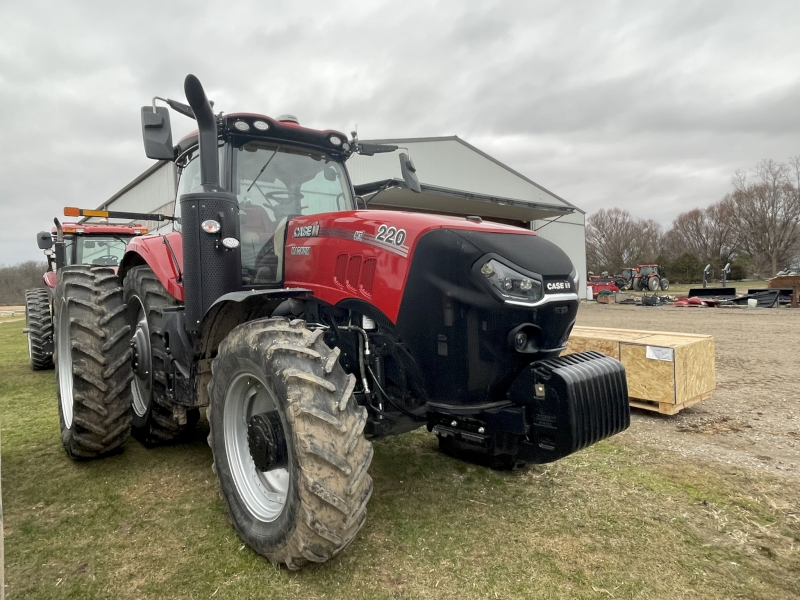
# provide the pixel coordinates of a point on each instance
(459, 179)
(456, 179)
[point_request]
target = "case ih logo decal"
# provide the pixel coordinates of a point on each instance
(301, 250)
(557, 286)
(307, 231)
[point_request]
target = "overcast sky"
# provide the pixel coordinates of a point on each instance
(648, 106)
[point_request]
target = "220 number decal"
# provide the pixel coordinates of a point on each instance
(391, 235)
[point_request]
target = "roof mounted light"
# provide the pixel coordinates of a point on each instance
(261, 125)
(336, 140)
(242, 126)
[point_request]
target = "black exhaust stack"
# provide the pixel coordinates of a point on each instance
(209, 268)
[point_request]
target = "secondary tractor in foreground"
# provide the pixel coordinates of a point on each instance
(308, 327)
(68, 244)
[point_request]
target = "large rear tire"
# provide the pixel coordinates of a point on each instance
(652, 284)
(92, 360)
(39, 326)
(155, 418)
(288, 443)
(636, 284)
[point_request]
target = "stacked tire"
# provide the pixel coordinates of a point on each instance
(39, 327)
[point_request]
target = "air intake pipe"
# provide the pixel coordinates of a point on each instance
(210, 269)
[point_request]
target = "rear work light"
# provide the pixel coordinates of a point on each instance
(211, 226)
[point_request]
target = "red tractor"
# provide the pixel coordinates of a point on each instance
(75, 243)
(307, 327)
(648, 277)
(643, 277)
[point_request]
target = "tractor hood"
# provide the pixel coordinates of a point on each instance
(368, 256)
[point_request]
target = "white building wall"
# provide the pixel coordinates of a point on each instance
(569, 234)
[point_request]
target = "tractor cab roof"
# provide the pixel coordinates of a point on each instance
(286, 129)
(86, 229)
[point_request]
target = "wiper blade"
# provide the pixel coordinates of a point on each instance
(266, 164)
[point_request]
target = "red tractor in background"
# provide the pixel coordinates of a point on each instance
(643, 277)
(306, 326)
(75, 243)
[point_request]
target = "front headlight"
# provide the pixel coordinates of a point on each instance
(510, 283)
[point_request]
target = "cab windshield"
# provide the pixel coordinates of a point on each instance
(274, 184)
(97, 250)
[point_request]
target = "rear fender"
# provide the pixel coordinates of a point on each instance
(163, 254)
(50, 280)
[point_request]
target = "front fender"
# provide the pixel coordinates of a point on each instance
(162, 253)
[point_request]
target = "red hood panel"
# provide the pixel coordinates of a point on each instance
(364, 254)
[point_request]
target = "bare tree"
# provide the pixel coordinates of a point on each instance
(615, 239)
(768, 213)
(14, 280)
(709, 234)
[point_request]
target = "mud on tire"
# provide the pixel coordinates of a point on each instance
(39, 325)
(315, 506)
(154, 420)
(92, 360)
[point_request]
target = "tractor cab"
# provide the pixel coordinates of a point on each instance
(97, 244)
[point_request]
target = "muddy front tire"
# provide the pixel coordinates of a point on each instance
(92, 360)
(288, 443)
(155, 418)
(664, 284)
(39, 326)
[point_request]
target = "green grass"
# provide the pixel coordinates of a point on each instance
(615, 521)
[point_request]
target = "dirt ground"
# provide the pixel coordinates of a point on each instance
(753, 417)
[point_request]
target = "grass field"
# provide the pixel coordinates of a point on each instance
(618, 520)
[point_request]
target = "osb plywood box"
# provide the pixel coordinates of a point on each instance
(666, 372)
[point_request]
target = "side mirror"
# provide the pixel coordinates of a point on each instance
(409, 172)
(44, 240)
(157, 133)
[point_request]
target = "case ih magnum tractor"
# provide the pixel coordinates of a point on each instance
(68, 244)
(306, 326)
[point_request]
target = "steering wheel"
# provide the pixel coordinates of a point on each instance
(283, 197)
(108, 260)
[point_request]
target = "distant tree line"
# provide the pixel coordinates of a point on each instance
(755, 228)
(18, 278)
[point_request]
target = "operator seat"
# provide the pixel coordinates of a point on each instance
(273, 272)
(257, 230)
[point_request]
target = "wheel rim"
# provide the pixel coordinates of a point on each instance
(64, 363)
(264, 493)
(142, 383)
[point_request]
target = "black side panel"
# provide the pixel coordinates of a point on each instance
(209, 269)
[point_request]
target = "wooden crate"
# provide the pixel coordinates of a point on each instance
(667, 372)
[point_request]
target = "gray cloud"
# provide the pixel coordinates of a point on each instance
(650, 107)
